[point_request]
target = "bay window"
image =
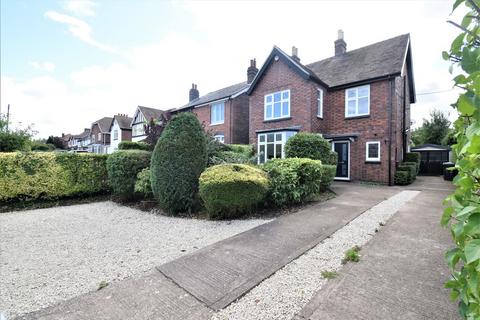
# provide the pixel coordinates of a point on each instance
(272, 145)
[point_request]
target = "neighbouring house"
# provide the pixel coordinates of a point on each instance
(359, 100)
(142, 116)
(65, 138)
(100, 136)
(120, 130)
(80, 142)
(225, 112)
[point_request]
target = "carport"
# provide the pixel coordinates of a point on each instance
(432, 157)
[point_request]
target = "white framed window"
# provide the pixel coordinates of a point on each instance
(138, 129)
(372, 151)
(319, 103)
(272, 145)
(99, 137)
(217, 113)
(219, 137)
(277, 105)
(357, 101)
(115, 134)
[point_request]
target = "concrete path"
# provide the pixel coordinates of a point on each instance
(402, 270)
(215, 276)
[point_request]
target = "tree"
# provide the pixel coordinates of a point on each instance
(433, 130)
(16, 139)
(154, 129)
(58, 142)
(463, 213)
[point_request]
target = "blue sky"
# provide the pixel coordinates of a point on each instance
(65, 64)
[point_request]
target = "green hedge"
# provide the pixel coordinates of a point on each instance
(410, 169)
(123, 167)
(402, 178)
(312, 146)
(413, 157)
(230, 190)
(294, 180)
(328, 172)
(179, 158)
(245, 149)
(143, 185)
(51, 175)
(130, 145)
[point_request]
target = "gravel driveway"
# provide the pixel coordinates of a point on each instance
(48, 255)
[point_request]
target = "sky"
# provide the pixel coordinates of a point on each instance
(65, 64)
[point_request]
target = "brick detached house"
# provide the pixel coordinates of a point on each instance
(224, 112)
(120, 130)
(359, 100)
(100, 135)
(141, 117)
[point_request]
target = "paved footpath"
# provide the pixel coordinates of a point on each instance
(402, 269)
(213, 277)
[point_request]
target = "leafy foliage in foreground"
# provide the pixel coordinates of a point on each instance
(463, 213)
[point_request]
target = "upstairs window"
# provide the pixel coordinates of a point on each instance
(99, 137)
(115, 134)
(320, 103)
(277, 105)
(357, 101)
(373, 151)
(218, 113)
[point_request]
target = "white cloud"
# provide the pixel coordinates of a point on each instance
(44, 66)
(80, 7)
(79, 29)
(159, 74)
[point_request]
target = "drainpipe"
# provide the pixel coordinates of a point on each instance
(404, 115)
(390, 131)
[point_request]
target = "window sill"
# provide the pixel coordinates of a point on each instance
(319, 117)
(277, 119)
(373, 162)
(357, 117)
(216, 124)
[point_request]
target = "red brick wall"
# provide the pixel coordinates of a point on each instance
(303, 100)
(235, 126)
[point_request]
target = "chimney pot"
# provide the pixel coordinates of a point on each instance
(193, 93)
(340, 44)
(252, 71)
(295, 54)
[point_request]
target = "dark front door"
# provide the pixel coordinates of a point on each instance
(342, 149)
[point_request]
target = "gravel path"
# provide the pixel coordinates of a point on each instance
(48, 255)
(290, 288)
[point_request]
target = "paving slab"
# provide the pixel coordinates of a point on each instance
(401, 272)
(219, 274)
(151, 296)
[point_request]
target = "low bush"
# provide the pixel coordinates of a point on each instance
(230, 190)
(50, 175)
(312, 146)
(123, 167)
(43, 147)
(224, 157)
(143, 185)
(413, 157)
(245, 149)
(294, 180)
(410, 169)
(130, 145)
(402, 178)
(179, 158)
(327, 176)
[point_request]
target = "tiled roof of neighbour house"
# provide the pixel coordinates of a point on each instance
(375, 61)
(124, 122)
(217, 95)
(104, 124)
(84, 134)
(150, 113)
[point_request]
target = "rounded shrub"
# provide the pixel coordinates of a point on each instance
(123, 167)
(312, 146)
(230, 190)
(413, 157)
(178, 159)
(130, 145)
(143, 185)
(402, 178)
(327, 176)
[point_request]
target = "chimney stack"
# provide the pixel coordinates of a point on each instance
(252, 71)
(295, 54)
(340, 44)
(193, 93)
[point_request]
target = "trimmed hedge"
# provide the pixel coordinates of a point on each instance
(410, 169)
(179, 158)
(245, 149)
(402, 178)
(413, 157)
(143, 185)
(130, 145)
(223, 157)
(123, 167)
(294, 180)
(50, 175)
(312, 146)
(327, 176)
(230, 190)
